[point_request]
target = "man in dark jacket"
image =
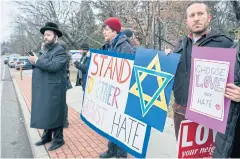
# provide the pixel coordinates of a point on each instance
(69, 84)
(82, 65)
(49, 88)
(118, 42)
(228, 145)
(198, 21)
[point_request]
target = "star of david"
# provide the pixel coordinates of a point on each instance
(163, 78)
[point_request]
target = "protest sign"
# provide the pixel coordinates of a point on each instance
(209, 82)
(76, 56)
(195, 141)
(151, 86)
(211, 69)
(115, 101)
(105, 100)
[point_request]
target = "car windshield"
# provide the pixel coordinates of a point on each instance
(13, 59)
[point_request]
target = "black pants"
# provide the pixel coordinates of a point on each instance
(117, 150)
(177, 118)
(55, 135)
(236, 142)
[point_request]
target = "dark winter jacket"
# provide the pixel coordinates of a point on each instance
(225, 142)
(69, 84)
(120, 44)
(82, 67)
(182, 77)
(49, 89)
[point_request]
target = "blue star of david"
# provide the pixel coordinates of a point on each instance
(167, 78)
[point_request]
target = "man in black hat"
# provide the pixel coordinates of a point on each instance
(49, 88)
(82, 65)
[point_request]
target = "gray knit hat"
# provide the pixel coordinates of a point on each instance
(84, 46)
(128, 33)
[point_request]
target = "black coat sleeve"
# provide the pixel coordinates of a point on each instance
(58, 60)
(82, 65)
(128, 48)
(179, 47)
(237, 67)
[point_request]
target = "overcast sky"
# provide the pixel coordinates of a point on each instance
(7, 9)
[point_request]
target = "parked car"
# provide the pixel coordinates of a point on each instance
(23, 62)
(6, 59)
(14, 55)
(11, 62)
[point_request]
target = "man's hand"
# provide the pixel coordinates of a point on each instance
(167, 51)
(232, 92)
(33, 59)
(76, 63)
(88, 54)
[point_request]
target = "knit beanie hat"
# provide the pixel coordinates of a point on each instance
(114, 23)
(128, 33)
(84, 46)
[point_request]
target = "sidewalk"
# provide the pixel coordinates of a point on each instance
(83, 142)
(80, 141)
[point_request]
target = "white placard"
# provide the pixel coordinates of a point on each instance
(209, 82)
(105, 100)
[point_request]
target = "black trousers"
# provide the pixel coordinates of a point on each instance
(177, 118)
(55, 135)
(236, 142)
(117, 150)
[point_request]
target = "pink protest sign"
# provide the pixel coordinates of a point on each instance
(211, 70)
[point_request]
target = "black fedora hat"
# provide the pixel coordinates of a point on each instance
(51, 26)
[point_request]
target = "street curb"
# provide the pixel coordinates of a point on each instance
(33, 134)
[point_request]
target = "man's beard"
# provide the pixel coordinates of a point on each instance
(202, 31)
(49, 44)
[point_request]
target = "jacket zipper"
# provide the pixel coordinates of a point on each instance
(186, 70)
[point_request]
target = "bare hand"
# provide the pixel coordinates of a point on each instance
(232, 92)
(167, 51)
(33, 59)
(88, 54)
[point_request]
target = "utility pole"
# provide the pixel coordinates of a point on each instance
(153, 25)
(159, 28)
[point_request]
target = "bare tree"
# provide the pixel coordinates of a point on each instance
(76, 24)
(236, 10)
(82, 20)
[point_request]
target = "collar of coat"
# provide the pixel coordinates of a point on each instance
(211, 35)
(190, 35)
(111, 46)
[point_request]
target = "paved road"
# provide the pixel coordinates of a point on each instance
(14, 139)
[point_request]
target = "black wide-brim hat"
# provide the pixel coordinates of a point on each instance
(51, 26)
